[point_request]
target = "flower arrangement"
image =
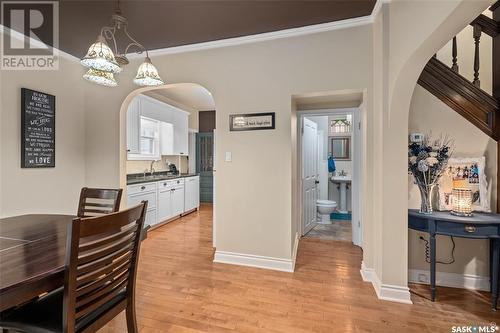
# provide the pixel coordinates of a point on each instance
(427, 161)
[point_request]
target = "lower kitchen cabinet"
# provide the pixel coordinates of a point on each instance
(170, 199)
(166, 199)
(191, 193)
(178, 197)
(144, 192)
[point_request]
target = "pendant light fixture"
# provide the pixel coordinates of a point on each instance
(100, 77)
(103, 62)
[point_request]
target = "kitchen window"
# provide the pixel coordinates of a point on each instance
(149, 140)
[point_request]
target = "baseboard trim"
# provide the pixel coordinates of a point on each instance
(366, 273)
(453, 280)
(386, 292)
(277, 264)
(295, 250)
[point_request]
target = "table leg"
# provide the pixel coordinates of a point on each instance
(433, 265)
(491, 264)
(495, 262)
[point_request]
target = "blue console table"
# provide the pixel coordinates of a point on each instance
(479, 226)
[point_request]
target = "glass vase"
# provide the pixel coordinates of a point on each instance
(426, 192)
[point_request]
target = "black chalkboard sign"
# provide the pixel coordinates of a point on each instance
(38, 129)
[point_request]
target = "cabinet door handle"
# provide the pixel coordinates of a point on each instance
(470, 229)
(143, 187)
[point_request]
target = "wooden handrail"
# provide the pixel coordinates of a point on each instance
(488, 26)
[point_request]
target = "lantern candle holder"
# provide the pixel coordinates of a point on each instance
(462, 202)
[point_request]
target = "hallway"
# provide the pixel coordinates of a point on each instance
(180, 289)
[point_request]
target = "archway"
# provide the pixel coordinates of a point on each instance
(407, 54)
(184, 98)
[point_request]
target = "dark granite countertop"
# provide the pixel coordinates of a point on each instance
(139, 178)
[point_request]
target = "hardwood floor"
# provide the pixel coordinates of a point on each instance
(180, 289)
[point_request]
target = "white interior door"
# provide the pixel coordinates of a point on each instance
(309, 174)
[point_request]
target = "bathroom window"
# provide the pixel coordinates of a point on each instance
(340, 126)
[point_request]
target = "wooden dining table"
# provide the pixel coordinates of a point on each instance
(32, 256)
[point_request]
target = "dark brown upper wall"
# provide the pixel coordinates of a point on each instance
(160, 24)
(206, 121)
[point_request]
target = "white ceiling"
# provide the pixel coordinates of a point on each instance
(192, 96)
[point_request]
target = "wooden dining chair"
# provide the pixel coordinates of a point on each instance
(98, 201)
(101, 266)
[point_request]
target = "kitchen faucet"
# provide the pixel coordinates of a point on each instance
(151, 169)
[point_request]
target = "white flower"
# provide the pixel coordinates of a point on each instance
(433, 154)
(413, 159)
(422, 166)
(431, 161)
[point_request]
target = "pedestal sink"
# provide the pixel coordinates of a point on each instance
(343, 182)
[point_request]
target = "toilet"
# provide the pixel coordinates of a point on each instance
(325, 208)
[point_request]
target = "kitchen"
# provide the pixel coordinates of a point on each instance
(160, 159)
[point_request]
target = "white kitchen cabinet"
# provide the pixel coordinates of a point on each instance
(166, 138)
(177, 197)
(191, 193)
(144, 192)
(133, 126)
(181, 129)
(164, 201)
(175, 139)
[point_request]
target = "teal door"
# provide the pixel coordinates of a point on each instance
(205, 165)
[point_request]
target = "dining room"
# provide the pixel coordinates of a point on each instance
(106, 226)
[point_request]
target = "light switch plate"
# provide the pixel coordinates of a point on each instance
(228, 156)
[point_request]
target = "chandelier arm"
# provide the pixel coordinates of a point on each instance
(109, 34)
(134, 43)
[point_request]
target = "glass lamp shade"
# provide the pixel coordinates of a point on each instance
(461, 202)
(147, 75)
(100, 57)
(102, 78)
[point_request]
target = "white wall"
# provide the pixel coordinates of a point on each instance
(429, 114)
(258, 77)
(44, 190)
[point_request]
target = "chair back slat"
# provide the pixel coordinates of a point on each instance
(103, 241)
(98, 201)
(101, 262)
(91, 255)
(108, 260)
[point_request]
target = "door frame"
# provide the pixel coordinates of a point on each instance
(358, 172)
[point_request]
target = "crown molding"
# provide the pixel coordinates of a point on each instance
(267, 36)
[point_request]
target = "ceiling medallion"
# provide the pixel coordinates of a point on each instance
(103, 62)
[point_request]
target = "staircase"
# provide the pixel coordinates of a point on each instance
(465, 96)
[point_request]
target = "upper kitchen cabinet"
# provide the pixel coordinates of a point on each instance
(133, 126)
(166, 131)
(181, 129)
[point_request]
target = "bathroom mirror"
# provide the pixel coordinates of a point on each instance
(340, 148)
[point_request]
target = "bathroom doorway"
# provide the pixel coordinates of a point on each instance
(329, 155)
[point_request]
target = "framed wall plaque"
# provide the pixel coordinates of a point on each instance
(471, 170)
(252, 121)
(38, 129)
